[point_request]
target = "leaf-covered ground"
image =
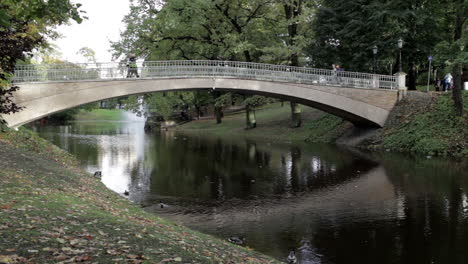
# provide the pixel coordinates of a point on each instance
(53, 212)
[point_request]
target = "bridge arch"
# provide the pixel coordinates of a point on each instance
(369, 107)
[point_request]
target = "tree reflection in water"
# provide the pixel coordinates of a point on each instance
(352, 208)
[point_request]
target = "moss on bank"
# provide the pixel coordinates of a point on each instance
(431, 129)
(53, 212)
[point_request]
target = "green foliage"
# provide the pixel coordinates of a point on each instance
(325, 129)
(255, 101)
(24, 26)
(195, 29)
(224, 100)
(435, 132)
(346, 31)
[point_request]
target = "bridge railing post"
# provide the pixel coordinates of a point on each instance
(401, 82)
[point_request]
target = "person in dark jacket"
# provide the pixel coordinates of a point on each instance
(132, 66)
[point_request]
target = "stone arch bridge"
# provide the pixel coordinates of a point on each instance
(364, 99)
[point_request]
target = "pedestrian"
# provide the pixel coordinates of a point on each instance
(437, 84)
(132, 66)
(448, 81)
(334, 79)
(339, 73)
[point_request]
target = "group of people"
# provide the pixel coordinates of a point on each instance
(444, 84)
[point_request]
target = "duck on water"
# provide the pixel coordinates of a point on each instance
(305, 254)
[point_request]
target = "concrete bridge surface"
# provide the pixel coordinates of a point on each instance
(364, 99)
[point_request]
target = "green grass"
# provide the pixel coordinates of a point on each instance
(273, 124)
(100, 114)
(51, 211)
(436, 131)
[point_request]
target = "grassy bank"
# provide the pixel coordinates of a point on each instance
(431, 129)
(53, 212)
(421, 123)
(273, 124)
(100, 114)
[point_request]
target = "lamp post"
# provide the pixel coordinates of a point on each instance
(374, 51)
(400, 46)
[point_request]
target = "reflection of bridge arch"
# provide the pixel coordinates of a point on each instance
(360, 98)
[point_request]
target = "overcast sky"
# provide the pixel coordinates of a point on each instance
(104, 24)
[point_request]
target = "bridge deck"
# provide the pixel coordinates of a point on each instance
(201, 68)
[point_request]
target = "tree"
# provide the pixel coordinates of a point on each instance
(250, 104)
(200, 29)
(88, 53)
(296, 41)
(24, 26)
(346, 31)
(451, 52)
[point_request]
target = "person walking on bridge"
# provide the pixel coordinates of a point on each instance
(132, 66)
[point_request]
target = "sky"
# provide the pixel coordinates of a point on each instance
(104, 24)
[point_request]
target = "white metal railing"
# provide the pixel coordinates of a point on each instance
(201, 68)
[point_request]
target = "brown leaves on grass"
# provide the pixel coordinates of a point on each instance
(12, 259)
(8, 206)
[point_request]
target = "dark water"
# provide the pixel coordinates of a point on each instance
(330, 204)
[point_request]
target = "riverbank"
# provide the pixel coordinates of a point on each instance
(274, 125)
(100, 114)
(422, 123)
(52, 211)
(426, 124)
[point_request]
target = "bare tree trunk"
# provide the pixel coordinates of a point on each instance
(296, 115)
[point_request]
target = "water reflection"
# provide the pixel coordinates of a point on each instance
(331, 205)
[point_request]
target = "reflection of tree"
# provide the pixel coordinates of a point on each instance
(433, 229)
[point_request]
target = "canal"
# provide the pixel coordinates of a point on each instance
(330, 204)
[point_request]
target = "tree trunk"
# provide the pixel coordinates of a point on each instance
(250, 117)
(460, 19)
(296, 115)
(457, 93)
(412, 78)
(292, 10)
(219, 114)
(198, 109)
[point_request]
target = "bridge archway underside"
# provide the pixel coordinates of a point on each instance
(369, 107)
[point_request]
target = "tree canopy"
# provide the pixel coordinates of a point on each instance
(24, 26)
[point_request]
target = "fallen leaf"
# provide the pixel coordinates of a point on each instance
(62, 257)
(83, 258)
